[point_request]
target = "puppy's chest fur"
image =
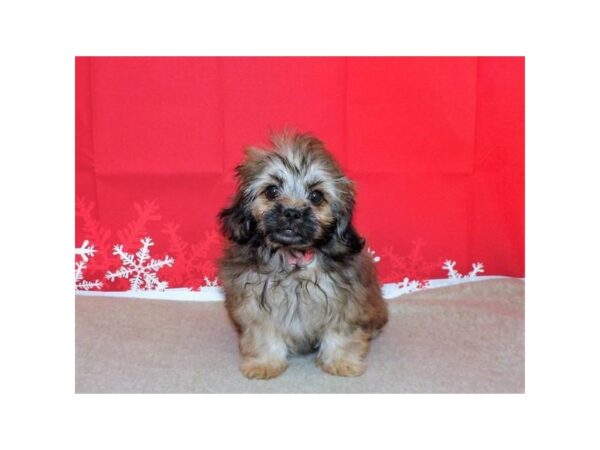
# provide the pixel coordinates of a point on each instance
(300, 301)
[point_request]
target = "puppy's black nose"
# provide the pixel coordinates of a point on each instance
(292, 213)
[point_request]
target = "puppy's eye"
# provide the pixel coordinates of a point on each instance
(272, 192)
(316, 197)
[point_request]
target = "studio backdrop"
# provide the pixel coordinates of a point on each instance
(434, 145)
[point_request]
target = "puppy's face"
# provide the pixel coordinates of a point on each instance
(295, 196)
(293, 199)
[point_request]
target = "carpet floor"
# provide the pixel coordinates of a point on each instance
(467, 338)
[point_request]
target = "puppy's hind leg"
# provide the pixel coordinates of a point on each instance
(264, 353)
(343, 352)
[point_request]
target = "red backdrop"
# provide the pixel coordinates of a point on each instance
(435, 145)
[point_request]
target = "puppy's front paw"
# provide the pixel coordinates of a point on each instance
(344, 368)
(261, 370)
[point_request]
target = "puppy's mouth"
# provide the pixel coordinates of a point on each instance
(287, 236)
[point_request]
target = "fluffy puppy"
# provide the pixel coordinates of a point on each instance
(294, 274)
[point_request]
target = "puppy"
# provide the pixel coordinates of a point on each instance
(294, 274)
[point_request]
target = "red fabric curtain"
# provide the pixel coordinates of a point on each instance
(435, 146)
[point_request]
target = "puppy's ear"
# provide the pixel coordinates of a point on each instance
(254, 162)
(344, 239)
(237, 224)
(349, 238)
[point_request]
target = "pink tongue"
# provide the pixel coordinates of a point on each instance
(301, 259)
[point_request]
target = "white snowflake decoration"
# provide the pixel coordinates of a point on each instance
(373, 256)
(455, 275)
(85, 253)
(211, 288)
(211, 283)
(407, 286)
(477, 268)
(139, 269)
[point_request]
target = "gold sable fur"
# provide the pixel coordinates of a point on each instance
(295, 276)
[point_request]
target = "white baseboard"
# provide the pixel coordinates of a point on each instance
(215, 294)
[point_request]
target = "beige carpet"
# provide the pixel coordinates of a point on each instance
(464, 338)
